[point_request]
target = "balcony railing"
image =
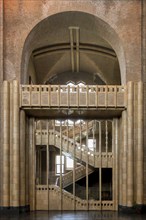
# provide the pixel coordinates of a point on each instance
(55, 96)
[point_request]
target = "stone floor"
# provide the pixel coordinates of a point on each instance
(79, 215)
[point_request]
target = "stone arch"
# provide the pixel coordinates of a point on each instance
(105, 32)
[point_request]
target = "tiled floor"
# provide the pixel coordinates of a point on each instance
(79, 215)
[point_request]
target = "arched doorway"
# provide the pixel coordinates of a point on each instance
(73, 47)
(73, 42)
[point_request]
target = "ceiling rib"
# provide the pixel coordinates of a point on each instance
(74, 45)
(82, 47)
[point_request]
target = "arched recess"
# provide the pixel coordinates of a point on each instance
(47, 50)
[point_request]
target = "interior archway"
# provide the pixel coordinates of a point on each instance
(75, 46)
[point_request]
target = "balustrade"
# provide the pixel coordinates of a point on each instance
(54, 96)
(68, 199)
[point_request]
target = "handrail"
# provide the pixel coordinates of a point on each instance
(81, 151)
(67, 178)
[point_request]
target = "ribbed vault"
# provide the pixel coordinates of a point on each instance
(70, 46)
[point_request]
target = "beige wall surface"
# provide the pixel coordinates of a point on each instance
(124, 17)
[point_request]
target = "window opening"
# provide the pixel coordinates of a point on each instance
(58, 164)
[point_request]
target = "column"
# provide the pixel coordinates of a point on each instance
(5, 146)
(130, 143)
(124, 160)
(22, 159)
(120, 157)
(31, 164)
(27, 162)
(140, 150)
(115, 171)
(11, 144)
(15, 146)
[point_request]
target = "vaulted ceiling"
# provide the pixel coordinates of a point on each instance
(68, 47)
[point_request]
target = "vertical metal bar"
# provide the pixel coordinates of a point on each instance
(67, 137)
(78, 101)
(77, 49)
(100, 175)
(72, 49)
(34, 162)
(54, 139)
(48, 161)
(40, 182)
(116, 165)
(97, 96)
(59, 95)
(94, 141)
(87, 185)
(80, 140)
(87, 95)
(68, 89)
(106, 137)
(41, 130)
(100, 140)
(74, 206)
(41, 153)
(115, 94)
(113, 167)
(49, 95)
(61, 166)
(100, 187)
